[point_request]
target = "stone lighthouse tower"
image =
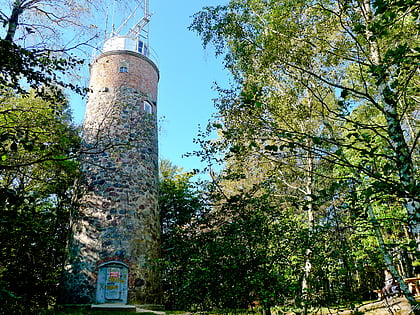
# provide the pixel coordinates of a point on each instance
(115, 231)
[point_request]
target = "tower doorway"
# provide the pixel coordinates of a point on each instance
(112, 283)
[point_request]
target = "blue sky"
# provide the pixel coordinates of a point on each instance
(187, 76)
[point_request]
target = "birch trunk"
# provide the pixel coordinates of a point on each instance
(308, 265)
(13, 20)
(388, 99)
(388, 262)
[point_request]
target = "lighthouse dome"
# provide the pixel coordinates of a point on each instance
(126, 43)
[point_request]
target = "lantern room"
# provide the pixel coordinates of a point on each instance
(126, 43)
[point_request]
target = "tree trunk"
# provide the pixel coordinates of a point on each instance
(308, 265)
(389, 101)
(13, 20)
(404, 163)
(389, 264)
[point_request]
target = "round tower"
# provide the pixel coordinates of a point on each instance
(116, 231)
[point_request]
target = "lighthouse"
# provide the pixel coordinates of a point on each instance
(115, 230)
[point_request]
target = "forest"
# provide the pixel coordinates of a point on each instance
(311, 191)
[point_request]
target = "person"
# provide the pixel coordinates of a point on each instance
(389, 283)
(395, 289)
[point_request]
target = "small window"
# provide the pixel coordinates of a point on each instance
(124, 69)
(147, 107)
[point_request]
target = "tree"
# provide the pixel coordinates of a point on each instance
(40, 22)
(256, 244)
(26, 136)
(37, 173)
(178, 200)
(226, 250)
(179, 205)
(341, 55)
(34, 50)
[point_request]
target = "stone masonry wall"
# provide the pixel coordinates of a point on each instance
(117, 217)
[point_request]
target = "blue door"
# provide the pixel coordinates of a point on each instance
(112, 283)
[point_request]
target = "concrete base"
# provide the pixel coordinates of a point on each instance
(147, 308)
(114, 307)
(152, 307)
(142, 310)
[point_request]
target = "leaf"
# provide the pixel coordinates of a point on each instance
(344, 93)
(317, 140)
(273, 148)
(236, 148)
(13, 146)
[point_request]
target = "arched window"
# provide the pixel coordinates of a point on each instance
(123, 66)
(147, 107)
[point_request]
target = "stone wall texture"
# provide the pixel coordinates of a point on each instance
(117, 217)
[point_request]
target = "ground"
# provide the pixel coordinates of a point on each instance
(396, 306)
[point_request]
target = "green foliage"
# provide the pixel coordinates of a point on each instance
(37, 172)
(324, 113)
(178, 200)
(227, 254)
(33, 130)
(179, 204)
(30, 52)
(21, 67)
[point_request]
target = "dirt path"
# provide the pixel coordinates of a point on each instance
(396, 306)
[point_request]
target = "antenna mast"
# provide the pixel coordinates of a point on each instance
(133, 33)
(141, 27)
